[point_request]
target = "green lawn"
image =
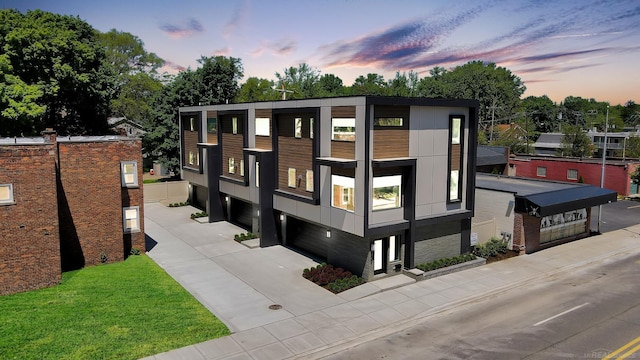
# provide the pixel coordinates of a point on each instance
(125, 310)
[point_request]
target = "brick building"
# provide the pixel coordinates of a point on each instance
(370, 184)
(617, 172)
(65, 203)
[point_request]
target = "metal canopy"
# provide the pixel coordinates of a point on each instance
(560, 201)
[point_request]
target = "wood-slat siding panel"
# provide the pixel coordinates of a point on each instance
(232, 147)
(343, 149)
(190, 144)
(455, 157)
(343, 112)
(298, 154)
(390, 143)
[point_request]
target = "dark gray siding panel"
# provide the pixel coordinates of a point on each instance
(437, 241)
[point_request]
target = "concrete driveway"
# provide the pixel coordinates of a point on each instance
(236, 283)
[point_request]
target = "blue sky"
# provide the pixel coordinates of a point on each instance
(558, 48)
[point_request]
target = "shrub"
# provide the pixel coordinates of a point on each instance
(135, 251)
(242, 236)
(334, 279)
(178, 204)
(441, 263)
(491, 248)
(199, 215)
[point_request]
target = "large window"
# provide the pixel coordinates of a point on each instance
(6, 194)
(262, 127)
(541, 171)
(343, 129)
(131, 219)
(129, 173)
(386, 192)
(342, 192)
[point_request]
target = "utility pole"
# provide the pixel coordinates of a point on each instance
(604, 159)
(493, 108)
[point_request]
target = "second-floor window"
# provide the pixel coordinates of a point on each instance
(262, 127)
(129, 173)
(343, 192)
(298, 127)
(343, 129)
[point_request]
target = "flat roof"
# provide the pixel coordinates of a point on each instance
(542, 197)
(64, 139)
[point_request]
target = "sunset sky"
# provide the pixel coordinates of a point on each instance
(558, 48)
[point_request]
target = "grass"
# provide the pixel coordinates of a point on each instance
(151, 181)
(124, 310)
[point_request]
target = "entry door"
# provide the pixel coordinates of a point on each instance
(380, 256)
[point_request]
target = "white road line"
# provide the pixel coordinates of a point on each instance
(633, 207)
(562, 313)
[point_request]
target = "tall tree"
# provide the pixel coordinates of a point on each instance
(575, 142)
(541, 114)
(212, 83)
(330, 85)
(372, 84)
(301, 81)
(256, 89)
(134, 70)
(19, 109)
(60, 55)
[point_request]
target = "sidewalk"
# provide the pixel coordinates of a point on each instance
(239, 284)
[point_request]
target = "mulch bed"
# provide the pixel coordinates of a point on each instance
(500, 256)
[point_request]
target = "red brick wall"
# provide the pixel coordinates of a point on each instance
(91, 199)
(616, 175)
(29, 236)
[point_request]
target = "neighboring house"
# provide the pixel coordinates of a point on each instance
(492, 159)
(534, 214)
(548, 144)
(616, 142)
(371, 184)
(125, 127)
(65, 203)
(588, 170)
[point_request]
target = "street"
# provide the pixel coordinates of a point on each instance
(585, 314)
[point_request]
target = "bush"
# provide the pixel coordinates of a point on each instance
(242, 237)
(441, 263)
(178, 204)
(491, 248)
(199, 215)
(332, 278)
(135, 251)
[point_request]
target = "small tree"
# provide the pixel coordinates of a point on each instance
(575, 142)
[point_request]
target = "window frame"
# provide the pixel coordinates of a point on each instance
(297, 128)
(11, 199)
(231, 169)
(343, 123)
(388, 181)
(538, 172)
(127, 229)
(343, 183)
(291, 178)
(260, 126)
(123, 174)
(455, 177)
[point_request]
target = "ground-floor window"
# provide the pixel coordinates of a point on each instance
(342, 192)
(559, 226)
(131, 219)
(386, 192)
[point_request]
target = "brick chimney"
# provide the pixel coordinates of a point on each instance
(49, 136)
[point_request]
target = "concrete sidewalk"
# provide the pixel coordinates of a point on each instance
(239, 284)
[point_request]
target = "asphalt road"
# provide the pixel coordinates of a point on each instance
(585, 314)
(617, 215)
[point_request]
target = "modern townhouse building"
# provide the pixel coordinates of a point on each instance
(370, 184)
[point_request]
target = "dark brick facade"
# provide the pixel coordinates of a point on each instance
(68, 208)
(29, 236)
(91, 199)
